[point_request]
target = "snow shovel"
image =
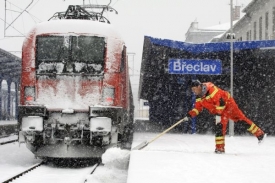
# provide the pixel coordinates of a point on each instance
(145, 143)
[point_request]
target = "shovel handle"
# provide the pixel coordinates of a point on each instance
(165, 131)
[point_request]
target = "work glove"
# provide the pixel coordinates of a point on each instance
(187, 118)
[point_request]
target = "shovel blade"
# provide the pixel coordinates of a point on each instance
(140, 146)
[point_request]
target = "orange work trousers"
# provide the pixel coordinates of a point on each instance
(232, 112)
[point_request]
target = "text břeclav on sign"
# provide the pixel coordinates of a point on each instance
(194, 66)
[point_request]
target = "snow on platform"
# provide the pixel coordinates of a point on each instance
(171, 158)
(191, 159)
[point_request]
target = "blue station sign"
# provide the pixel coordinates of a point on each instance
(195, 66)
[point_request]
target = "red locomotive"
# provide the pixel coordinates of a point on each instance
(75, 96)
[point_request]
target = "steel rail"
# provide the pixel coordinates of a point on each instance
(7, 142)
(24, 172)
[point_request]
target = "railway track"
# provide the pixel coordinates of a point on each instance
(46, 172)
(23, 172)
(8, 141)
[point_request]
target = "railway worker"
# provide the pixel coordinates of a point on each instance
(220, 103)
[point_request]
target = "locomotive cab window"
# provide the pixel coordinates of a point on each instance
(70, 54)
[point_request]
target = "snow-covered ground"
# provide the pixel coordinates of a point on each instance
(171, 158)
(190, 159)
(14, 159)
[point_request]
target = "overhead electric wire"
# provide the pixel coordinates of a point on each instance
(114, 3)
(26, 10)
(34, 4)
(19, 15)
(13, 10)
(33, 15)
(13, 28)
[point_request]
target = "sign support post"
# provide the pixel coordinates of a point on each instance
(231, 123)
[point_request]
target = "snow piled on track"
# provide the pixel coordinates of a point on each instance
(115, 168)
(116, 158)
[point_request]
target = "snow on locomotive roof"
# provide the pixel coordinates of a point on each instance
(77, 27)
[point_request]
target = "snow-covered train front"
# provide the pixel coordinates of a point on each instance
(75, 95)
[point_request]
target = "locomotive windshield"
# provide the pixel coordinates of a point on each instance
(70, 54)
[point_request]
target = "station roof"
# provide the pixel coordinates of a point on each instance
(156, 53)
(10, 66)
(211, 47)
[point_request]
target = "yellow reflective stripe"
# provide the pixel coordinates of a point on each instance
(228, 95)
(251, 127)
(220, 107)
(255, 129)
(220, 142)
(196, 111)
(219, 138)
(214, 92)
(198, 99)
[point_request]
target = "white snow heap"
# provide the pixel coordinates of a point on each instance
(116, 158)
(115, 167)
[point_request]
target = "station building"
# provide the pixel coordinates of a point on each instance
(10, 70)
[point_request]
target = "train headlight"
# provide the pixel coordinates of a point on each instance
(29, 94)
(108, 95)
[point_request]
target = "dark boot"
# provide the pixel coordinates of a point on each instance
(261, 138)
(256, 131)
(220, 151)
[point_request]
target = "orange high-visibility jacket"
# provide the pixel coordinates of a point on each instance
(215, 100)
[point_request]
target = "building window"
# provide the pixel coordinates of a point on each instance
(255, 30)
(266, 26)
(247, 35)
(250, 35)
(260, 28)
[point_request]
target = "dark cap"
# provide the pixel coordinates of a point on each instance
(193, 83)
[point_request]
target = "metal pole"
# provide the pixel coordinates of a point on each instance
(133, 61)
(231, 123)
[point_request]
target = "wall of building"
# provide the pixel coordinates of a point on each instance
(257, 24)
(201, 36)
(205, 35)
(196, 35)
